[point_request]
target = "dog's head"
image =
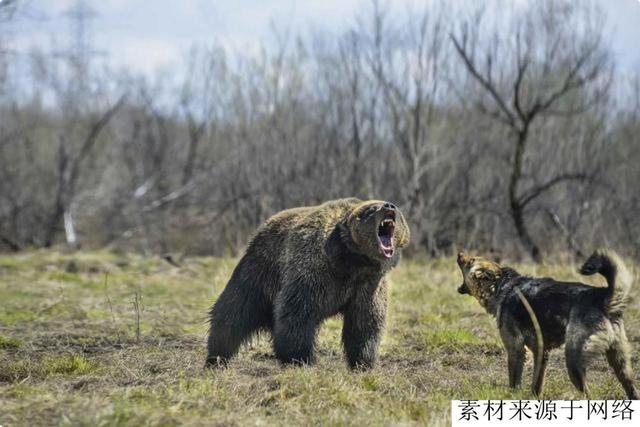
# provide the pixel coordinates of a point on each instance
(480, 277)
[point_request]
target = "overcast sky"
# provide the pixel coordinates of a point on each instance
(145, 35)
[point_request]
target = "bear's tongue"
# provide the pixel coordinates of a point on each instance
(386, 247)
(385, 237)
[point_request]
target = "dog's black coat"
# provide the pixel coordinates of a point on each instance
(554, 303)
(587, 319)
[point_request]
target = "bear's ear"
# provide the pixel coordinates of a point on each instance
(402, 233)
(335, 244)
(350, 227)
(342, 231)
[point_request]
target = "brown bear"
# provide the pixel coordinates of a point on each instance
(304, 265)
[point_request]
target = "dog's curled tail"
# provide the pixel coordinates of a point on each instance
(619, 278)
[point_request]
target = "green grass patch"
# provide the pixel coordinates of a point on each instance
(84, 364)
(10, 343)
(12, 317)
(21, 391)
(67, 365)
(65, 277)
(449, 339)
(16, 370)
(9, 263)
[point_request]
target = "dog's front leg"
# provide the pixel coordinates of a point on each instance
(515, 356)
(540, 365)
(516, 363)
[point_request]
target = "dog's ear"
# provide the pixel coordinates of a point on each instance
(482, 274)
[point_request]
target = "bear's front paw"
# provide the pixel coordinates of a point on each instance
(216, 362)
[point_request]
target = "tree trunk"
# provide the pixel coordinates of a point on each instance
(10, 243)
(516, 207)
(52, 225)
(195, 135)
(69, 230)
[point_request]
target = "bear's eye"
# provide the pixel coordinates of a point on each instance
(366, 214)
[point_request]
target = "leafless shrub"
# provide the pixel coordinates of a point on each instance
(494, 135)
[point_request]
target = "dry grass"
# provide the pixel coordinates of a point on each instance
(77, 347)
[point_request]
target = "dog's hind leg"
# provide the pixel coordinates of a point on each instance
(576, 365)
(619, 358)
(576, 357)
(582, 344)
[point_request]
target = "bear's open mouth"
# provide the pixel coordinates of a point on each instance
(385, 234)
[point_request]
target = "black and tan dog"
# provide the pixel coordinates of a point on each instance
(587, 319)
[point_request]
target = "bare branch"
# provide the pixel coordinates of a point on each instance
(535, 192)
(96, 128)
(572, 81)
(486, 84)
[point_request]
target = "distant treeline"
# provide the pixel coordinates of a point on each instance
(511, 134)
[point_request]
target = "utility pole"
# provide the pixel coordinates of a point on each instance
(79, 97)
(7, 9)
(80, 51)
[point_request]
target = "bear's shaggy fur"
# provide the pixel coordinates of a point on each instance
(304, 265)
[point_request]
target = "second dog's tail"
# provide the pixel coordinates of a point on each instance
(619, 278)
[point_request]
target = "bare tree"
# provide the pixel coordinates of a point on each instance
(552, 63)
(68, 171)
(380, 111)
(200, 100)
(408, 63)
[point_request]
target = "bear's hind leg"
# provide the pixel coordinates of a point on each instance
(239, 313)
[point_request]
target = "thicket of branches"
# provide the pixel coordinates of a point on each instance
(496, 135)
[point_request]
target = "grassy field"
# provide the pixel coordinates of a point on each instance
(103, 338)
